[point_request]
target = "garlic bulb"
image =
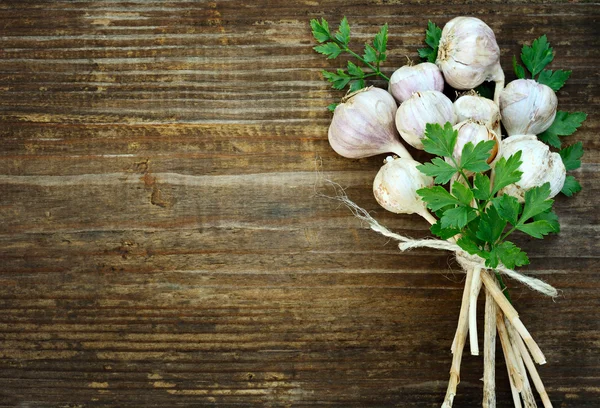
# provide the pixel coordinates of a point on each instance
(539, 166)
(363, 125)
(415, 78)
(478, 109)
(419, 110)
(527, 107)
(396, 184)
(468, 54)
(470, 131)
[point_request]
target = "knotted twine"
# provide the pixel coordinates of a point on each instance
(465, 259)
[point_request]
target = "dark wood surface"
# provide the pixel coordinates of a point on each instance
(161, 242)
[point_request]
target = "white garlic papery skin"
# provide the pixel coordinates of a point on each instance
(539, 166)
(468, 54)
(478, 109)
(363, 125)
(419, 110)
(415, 78)
(470, 131)
(527, 107)
(396, 184)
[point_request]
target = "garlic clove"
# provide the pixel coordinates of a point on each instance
(468, 54)
(409, 79)
(527, 107)
(396, 184)
(539, 166)
(478, 109)
(470, 131)
(419, 110)
(363, 125)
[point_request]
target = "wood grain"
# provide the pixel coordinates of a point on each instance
(162, 243)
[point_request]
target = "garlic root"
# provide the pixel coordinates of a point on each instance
(458, 344)
(513, 317)
(489, 353)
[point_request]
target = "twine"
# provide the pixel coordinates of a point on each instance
(465, 259)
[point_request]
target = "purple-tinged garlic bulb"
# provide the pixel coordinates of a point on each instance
(527, 107)
(396, 184)
(415, 78)
(539, 166)
(363, 125)
(468, 54)
(419, 110)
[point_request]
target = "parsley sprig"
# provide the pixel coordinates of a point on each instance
(332, 45)
(433, 34)
(474, 211)
(535, 58)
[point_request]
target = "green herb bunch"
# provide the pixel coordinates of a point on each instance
(473, 210)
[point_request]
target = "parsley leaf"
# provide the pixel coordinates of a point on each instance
(474, 157)
(508, 208)
(332, 106)
(338, 79)
(507, 172)
(482, 188)
(571, 155)
(462, 193)
(444, 233)
(320, 30)
(510, 255)
(519, 70)
(439, 169)
(551, 218)
(571, 186)
(491, 226)
(439, 140)
(343, 35)
(380, 42)
(537, 56)
(536, 202)
(536, 229)
(437, 197)
(564, 124)
(370, 53)
(554, 79)
(330, 49)
(469, 246)
(432, 39)
(457, 217)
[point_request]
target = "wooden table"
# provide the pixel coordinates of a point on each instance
(162, 241)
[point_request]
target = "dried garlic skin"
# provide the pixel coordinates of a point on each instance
(527, 107)
(396, 184)
(409, 79)
(468, 53)
(363, 125)
(419, 110)
(539, 166)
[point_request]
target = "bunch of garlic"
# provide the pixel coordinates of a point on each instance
(372, 121)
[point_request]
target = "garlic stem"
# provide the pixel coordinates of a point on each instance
(489, 353)
(498, 77)
(513, 317)
(400, 151)
(427, 215)
(473, 295)
(459, 343)
(513, 373)
(535, 377)
(526, 393)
